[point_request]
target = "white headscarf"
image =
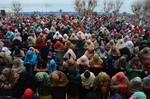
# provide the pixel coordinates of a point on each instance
(20, 68)
(65, 37)
(70, 51)
(129, 44)
(57, 34)
(6, 50)
(88, 81)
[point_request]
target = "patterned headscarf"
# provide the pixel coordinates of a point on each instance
(18, 65)
(58, 79)
(9, 76)
(43, 77)
(104, 80)
(96, 60)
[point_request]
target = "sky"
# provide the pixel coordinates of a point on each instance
(56, 5)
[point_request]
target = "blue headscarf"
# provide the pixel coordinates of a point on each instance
(39, 30)
(52, 66)
(32, 59)
(9, 35)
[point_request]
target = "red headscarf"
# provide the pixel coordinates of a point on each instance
(28, 94)
(40, 42)
(146, 66)
(58, 46)
(122, 82)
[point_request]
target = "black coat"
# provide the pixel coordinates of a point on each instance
(58, 92)
(25, 81)
(74, 85)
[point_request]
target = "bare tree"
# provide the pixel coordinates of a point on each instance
(85, 7)
(78, 6)
(117, 5)
(141, 9)
(108, 5)
(112, 6)
(137, 8)
(146, 7)
(16, 6)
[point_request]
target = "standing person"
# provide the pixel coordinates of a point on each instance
(87, 79)
(43, 80)
(119, 84)
(18, 66)
(120, 64)
(26, 80)
(30, 61)
(96, 64)
(146, 66)
(52, 66)
(8, 81)
(40, 42)
(83, 63)
(134, 68)
(101, 85)
(59, 83)
(74, 84)
(135, 85)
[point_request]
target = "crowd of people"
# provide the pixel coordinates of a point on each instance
(74, 57)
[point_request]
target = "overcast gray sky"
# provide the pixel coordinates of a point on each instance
(56, 5)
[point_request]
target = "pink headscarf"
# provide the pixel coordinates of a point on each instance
(90, 53)
(17, 36)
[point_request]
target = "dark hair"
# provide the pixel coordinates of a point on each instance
(17, 51)
(87, 74)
